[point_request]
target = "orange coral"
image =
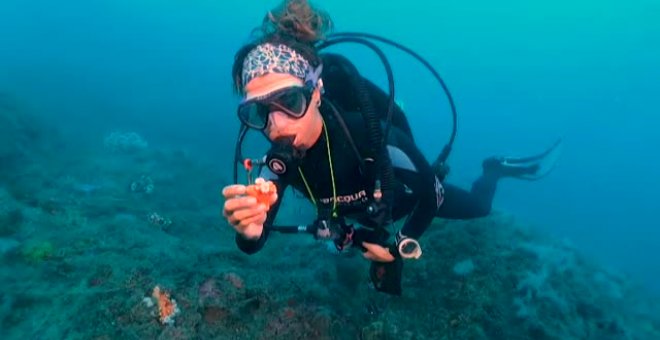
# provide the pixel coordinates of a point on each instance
(167, 307)
(262, 190)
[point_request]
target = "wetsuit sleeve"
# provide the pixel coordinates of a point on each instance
(414, 172)
(253, 246)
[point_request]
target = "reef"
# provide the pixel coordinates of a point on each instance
(132, 245)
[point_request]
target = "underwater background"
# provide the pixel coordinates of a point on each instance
(77, 204)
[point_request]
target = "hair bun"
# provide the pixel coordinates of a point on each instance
(298, 19)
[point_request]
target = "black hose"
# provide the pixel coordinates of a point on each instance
(379, 149)
(238, 154)
(447, 149)
(384, 173)
(390, 81)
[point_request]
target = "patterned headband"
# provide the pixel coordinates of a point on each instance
(268, 58)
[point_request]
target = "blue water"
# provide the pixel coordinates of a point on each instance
(522, 74)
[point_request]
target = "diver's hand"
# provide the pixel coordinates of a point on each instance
(243, 212)
(376, 252)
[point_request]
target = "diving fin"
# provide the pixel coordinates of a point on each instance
(529, 168)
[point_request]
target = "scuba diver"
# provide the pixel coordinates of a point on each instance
(345, 145)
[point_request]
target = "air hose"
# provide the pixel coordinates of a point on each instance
(382, 170)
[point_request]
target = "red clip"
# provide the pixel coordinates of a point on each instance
(247, 163)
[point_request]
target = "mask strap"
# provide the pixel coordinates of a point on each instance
(312, 78)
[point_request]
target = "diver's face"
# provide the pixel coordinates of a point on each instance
(300, 129)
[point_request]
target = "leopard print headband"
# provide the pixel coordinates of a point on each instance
(269, 58)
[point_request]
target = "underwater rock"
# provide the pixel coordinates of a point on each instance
(143, 185)
(124, 142)
(372, 332)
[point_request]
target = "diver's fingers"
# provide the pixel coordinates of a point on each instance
(376, 252)
(244, 214)
(252, 231)
(272, 199)
(236, 203)
(258, 219)
(234, 190)
(369, 256)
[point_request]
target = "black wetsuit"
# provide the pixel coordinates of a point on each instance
(416, 194)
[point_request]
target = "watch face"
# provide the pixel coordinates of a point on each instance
(409, 248)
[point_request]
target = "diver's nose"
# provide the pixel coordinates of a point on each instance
(278, 117)
(273, 125)
(276, 121)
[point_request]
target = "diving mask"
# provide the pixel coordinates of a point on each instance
(293, 101)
